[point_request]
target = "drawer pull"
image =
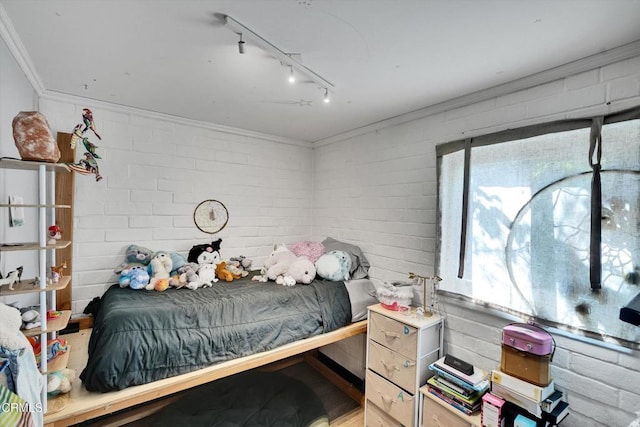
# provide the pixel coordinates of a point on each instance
(391, 335)
(389, 368)
(386, 401)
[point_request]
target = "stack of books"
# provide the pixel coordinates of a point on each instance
(543, 405)
(460, 390)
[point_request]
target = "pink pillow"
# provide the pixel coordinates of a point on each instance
(312, 250)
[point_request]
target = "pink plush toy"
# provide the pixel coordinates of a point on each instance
(310, 249)
(278, 262)
(302, 270)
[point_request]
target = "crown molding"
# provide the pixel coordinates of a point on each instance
(118, 108)
(591, 62)
(14, 44)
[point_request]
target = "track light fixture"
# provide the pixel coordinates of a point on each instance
(292, 77)
(280, 55)
(241, 45)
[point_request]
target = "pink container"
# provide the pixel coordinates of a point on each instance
(528, 338)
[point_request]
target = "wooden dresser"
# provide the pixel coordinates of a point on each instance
(400, 347)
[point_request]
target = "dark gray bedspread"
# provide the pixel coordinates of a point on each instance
(141, 336)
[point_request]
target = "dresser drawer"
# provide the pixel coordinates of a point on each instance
(375, 417)
(390, 398)
(434, 415)
(393, 366)
(393, 334)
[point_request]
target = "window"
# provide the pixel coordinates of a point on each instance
(526, 235)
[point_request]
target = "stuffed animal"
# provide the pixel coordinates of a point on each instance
(178, 261)
(60, 381)
(302, 270)
(207, 275)
(286, 281)
(189, 276)
(205, 254)
(244, 262)
(235, 267)
(135, 256)
(223, 272)
(30, 317)
(160, 268)
(277, 264)
(134, 277)
(161, 284)
(334, 265)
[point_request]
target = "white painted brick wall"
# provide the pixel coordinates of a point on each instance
(378, 190)
(156, 171)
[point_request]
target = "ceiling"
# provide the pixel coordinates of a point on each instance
(385, 57)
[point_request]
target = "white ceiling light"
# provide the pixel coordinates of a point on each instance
(292, 77)
(283, 57)
(326, 96)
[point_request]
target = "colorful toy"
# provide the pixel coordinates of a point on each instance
(55, 233)
(56, 271)
(136, 277)
(87, 118)
(88, 165)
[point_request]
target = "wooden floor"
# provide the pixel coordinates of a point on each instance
(355, 418)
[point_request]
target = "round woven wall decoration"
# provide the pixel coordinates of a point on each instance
(210, 216)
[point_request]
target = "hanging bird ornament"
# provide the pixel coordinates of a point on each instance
(87, 118)
(88, 165)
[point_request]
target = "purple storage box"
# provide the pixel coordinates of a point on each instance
(528, 338)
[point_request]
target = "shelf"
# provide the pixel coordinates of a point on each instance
(9, 205)
(9, 163)
(29, 286)
(53, 325)
(30, 246)
(59, 362)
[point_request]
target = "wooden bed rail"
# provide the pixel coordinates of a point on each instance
(82, 405)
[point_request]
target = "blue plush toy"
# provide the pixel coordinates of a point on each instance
(134, 277)
(334, 265)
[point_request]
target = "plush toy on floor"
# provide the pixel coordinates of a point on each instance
(59, 382)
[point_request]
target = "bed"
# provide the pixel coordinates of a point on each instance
(139, 337)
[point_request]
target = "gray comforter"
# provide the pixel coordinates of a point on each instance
(141, 336)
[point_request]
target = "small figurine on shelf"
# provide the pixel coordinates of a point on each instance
(55, 233)
(11, 279)
(56, 271)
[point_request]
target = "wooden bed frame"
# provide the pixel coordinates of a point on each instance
(80, 405)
